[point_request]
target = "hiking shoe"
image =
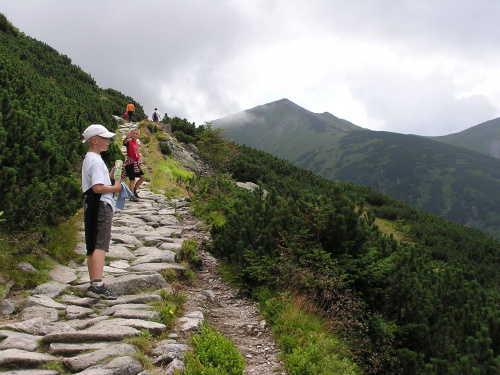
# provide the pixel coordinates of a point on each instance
(134, 199)
(100, 292)
(135, 194)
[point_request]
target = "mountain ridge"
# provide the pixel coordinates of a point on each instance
(447, 179)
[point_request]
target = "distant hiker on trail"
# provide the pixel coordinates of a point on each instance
(133, 163)
(99, 207)
(130, 111)
(156, 115)
(125, 115)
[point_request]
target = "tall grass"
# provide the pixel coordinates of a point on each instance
(308, 347)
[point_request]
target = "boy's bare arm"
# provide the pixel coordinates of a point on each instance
(103, 189)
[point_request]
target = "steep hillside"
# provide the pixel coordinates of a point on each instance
(458, 184)
(45, 104)
(483, 138)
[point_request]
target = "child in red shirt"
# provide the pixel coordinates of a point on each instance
(133, 163)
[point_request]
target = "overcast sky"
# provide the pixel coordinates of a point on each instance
(423, 67)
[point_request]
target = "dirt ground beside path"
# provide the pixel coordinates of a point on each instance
(232, 313)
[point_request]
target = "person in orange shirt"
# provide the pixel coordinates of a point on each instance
(130, 111)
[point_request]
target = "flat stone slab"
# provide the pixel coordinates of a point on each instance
(127, 306)
(122, 264)
(156, 256)
(144, 250)
(137, 314)
(39, 326)
(74, 349)
(31, 372)
(114, 270)
(17, 340)
(119, 252)
(137, 298)
(78, 301)
(48, 314)
(43, 300)
(153, 327)
(63, 275)
(190, 321)
(157, 267)
(24, 358)
(51, 289)
(125, 365)
(110, 333)
(81, 362)
(133, 283)
(126, 239)
(172, 246)
(78, 312)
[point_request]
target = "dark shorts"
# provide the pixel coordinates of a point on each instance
(130, 114)
(104, 221)
(131, 174)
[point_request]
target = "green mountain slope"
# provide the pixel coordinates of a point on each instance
(483, 138)
(458, 184)
(45, 104)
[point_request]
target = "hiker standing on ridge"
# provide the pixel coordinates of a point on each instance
(130, 111)
(99, 207)
(156, 115)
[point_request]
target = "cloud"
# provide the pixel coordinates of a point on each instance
(408, 66)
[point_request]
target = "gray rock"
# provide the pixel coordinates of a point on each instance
(156, 267)
(137, 314)
(39, 326)
(81, 248)
(190, 321)
(210, 295)
(78, 301)
(26, 267)
(7, 307)
(144, 250)
(74, 349)
(137, 298)
(79, 324)
(127, 306)
(78, 312)
(156, 256)
(16, 340)
(122, 264)
(32, 312)
(126, 239)
(132, 284)
(110, 333)
(175, 365)
(170, 346)
(51, 289)
(118, 366)
(153, 327)
(120, 252)
(24, 358)
(83, 361)
(30, 372)
(64, 275)
(43, 300)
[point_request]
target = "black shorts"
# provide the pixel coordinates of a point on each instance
(130, 172)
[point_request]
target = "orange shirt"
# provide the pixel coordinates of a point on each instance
(130, 107)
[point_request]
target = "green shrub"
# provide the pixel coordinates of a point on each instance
(213, 354)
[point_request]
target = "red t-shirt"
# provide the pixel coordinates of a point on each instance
(133, 150)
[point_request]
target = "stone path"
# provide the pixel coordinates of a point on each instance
(58, 324)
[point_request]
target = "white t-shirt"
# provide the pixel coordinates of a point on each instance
(95, 172)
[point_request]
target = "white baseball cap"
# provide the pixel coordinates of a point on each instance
(94, 130)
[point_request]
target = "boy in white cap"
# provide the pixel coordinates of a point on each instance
(99, 207)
